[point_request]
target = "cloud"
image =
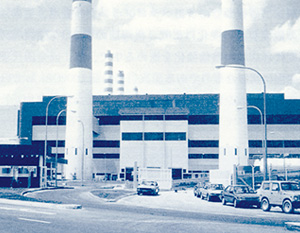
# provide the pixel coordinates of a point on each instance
(285, 38)
(253, 11)
(22, 3)
(194, 27)
(293, 91)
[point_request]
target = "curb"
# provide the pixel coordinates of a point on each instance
(40, 204)
(43, 189)
(292, 226)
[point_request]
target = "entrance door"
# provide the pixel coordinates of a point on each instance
(176, 173)
(129, 175)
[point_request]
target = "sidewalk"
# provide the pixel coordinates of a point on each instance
(39, 204)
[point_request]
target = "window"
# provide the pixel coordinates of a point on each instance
(266, 186)
(6, 170)
(23, 170)
(235, 151)
(131, 117)
(132, 136)
(154, 136)
(203, 156)
(112, 144)
(153, 117)
(175, 136)
(275, 187)
(106, 156)
(203, 143)
(176, 117)
(203, 120)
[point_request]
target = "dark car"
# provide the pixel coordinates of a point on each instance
(212, 192)
(240, 195)
(198, 189)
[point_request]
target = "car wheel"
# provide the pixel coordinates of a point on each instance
(235, 203)
(265, 205)
(139, 193)
(287, 207)
(223, 201)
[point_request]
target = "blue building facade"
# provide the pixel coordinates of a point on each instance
(178, 132)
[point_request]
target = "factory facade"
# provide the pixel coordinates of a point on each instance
(175, 132)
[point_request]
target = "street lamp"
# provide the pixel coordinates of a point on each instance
(46, 135)
(82, 163)
(265, 110)
(56, 144)
(261, 121)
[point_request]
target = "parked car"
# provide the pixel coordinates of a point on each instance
(240, 195)
(212, 192)
(148, 187)
(285, 194)
(198, 189)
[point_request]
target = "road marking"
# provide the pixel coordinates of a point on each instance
(34, 220)
(27, 210)
(36, 211)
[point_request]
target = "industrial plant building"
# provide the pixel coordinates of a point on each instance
(176, 132)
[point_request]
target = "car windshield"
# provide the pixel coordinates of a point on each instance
(145, 182)
(241, 189)
(290, 186)
(216, 187)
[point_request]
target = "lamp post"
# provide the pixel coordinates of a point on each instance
(265, 110)
(46, 135)
(82, 162)
(261, 121)
(56, 144)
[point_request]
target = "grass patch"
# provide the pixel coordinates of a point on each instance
(16, 194)
(111, 194)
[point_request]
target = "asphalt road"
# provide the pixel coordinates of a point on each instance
(18, 218)
(167, 212)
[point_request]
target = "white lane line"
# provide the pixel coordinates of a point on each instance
(27, 210)
(36, 211)
(34, 220)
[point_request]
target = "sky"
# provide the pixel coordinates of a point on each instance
(163, 46)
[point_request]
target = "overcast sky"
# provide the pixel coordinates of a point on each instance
(163, 46)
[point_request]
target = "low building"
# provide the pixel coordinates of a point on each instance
(177, 132)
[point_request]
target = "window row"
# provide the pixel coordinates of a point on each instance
(106, 156)
(192, 119)
(203, 156)
(252, 143)
(153, 136)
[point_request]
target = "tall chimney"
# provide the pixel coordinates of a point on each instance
(108, 73)
(79, 135)
(120, 83)
(233, 128)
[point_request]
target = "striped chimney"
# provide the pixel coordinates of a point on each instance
(233, 128)
(79, 137)
(120, 83)
(108, 73)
